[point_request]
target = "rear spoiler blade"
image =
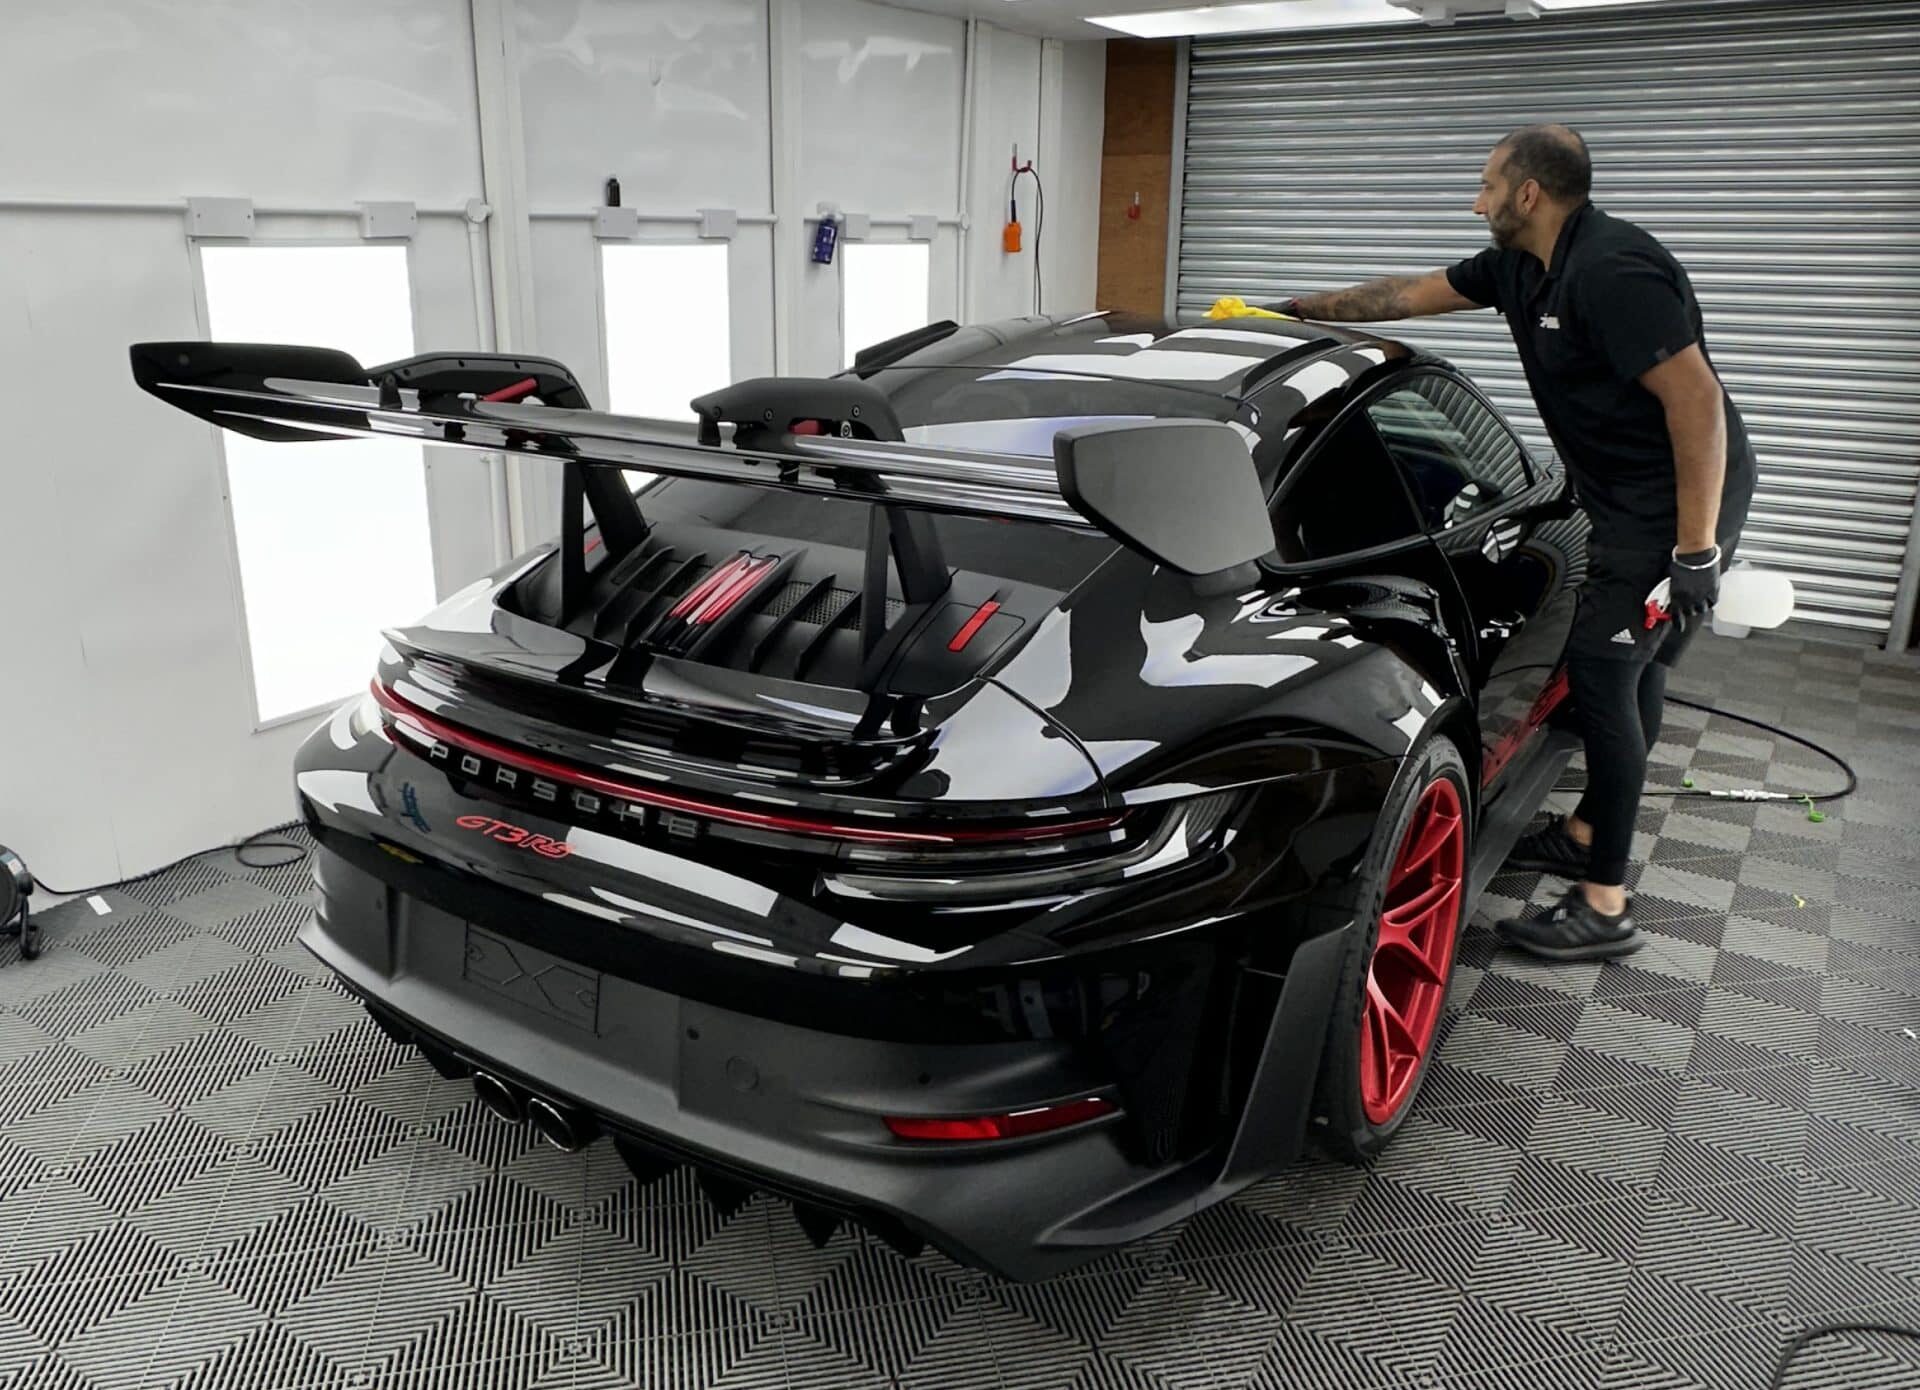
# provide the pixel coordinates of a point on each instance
(289, 393)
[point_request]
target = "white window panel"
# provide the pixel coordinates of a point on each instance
(332, 537)
(885, 285)
(667, 335)
(668, 339)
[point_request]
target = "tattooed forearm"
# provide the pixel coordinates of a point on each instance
(1377, 301)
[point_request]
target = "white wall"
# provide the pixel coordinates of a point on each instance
(279, 100)
(1006, 112)
(126, 686)
(879, 97)
(670, 98)
(1048, 97)
(1071, 134)
(126, 696)
(675, 101)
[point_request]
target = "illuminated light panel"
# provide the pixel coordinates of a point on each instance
(1255, 18)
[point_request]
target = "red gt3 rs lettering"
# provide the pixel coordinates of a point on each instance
(514, 835)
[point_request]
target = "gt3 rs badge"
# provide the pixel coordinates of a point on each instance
(514, 835)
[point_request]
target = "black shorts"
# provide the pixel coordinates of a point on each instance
(1612, 622)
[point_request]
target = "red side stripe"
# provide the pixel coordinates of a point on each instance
(973, 625)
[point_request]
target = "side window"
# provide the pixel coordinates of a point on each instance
(1458, 458)
(1345, 496)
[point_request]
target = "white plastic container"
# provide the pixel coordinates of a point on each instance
(1749, 598)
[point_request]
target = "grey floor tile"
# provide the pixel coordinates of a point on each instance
(1639, 1175)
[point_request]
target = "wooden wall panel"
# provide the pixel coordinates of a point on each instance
(1136, 157)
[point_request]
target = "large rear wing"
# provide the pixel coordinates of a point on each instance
(1184, 492)
(475, 401)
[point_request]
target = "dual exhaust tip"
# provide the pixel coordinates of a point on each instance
(568, 1128)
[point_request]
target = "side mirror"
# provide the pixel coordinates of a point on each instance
(1181, 492)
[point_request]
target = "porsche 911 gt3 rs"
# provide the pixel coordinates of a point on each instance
(1008, 795)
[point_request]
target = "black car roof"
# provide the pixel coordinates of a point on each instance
(1218, 356)
(1054, 370)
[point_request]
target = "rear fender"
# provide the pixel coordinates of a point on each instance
(1172, 693)
(1285, 990)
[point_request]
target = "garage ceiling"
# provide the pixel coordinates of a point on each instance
(1058, 19)
(1067, 19)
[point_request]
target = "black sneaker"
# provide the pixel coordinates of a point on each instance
(1571, 930)
(1550, 850)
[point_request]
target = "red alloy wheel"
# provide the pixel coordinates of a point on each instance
(1407, 977)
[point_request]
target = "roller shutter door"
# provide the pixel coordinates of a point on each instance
(1774, 148)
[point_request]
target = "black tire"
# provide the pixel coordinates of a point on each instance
(1341, 1122)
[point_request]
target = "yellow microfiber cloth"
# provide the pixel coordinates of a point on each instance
(1233, 307)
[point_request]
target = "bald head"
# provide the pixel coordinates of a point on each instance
(1553, 156)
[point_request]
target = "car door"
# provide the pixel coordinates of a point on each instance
(1344, 522)
(1512, 539)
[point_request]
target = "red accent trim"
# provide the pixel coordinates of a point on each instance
(1550, 698)
(724, 598)
(417, 724)
(972, 625)
(1040, 1120)
(714, 577)
(524, 386)
(593, 544)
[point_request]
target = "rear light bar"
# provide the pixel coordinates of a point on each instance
(1043, 1119)
(412, 722)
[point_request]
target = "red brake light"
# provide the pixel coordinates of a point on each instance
(1040, 1120)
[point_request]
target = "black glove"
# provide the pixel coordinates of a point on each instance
(1694, 580)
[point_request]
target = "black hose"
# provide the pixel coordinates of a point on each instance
(256, 840)
(1853, 778)
(1039, 230)
(1778, 1378)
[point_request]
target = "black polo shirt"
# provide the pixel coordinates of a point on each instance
(1613, 305)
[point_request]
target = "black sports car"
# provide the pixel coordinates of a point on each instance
(1010, 795)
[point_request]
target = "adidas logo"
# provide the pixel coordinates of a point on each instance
(1624, 636)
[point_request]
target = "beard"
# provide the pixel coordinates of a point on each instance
(1506, 224)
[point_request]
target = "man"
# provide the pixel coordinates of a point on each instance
(1611, 339)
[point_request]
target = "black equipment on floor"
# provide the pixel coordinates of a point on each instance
(16, 887)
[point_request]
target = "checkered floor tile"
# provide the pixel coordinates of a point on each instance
(214, 1172)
